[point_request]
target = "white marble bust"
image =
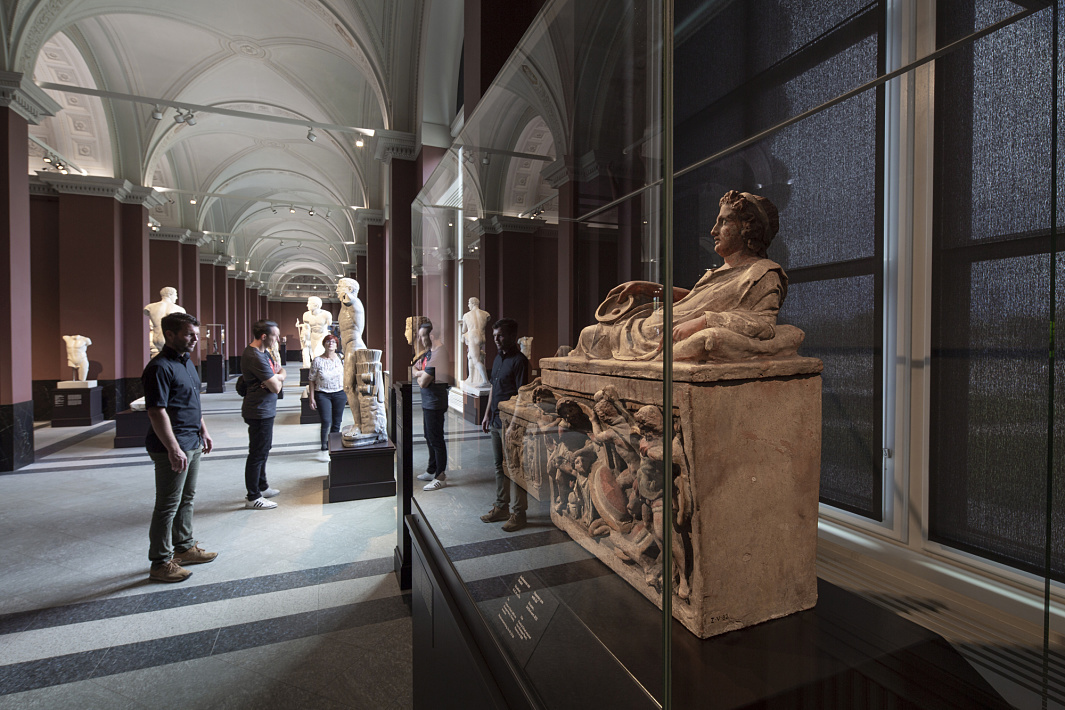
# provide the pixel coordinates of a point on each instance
(313, 329)
(473, 325)
(166, 305)
(77, 355)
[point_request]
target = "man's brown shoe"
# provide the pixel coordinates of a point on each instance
(495, 515)
(169, 572)
(195, 555)
(516, 522)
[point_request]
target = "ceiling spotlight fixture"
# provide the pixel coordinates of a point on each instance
(274, 210)
(47, 158)
(292, 209)
(192, 200)
(157, 113)
(359, 143)
(311, 136)
(310, 212)
(190, 119)
(484, 160)
(327, 213)
(179, 117)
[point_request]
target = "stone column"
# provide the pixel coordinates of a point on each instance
(135, 288)
(238, 338)
(21, 103)
(221, 300)
(373, 291)
(492, 31)
(558, 175)
(207, 299)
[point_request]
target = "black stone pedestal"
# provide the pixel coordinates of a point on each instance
(214, 374)
(474, 406)
(362, 472)
(131, 427)
(78, 407)
(305, 375)
(308, 415)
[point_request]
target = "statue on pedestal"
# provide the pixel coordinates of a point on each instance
(166, 305)
(313, 328)
(77, 356)
(352, 322)
(472, 329)
(370, 417)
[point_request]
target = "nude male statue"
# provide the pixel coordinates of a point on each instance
(352, 322)
(166, 305)
(77, 354)
(313, 329)
(472, 329)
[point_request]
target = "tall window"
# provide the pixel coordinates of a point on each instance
(992, 274)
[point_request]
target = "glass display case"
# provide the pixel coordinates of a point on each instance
(214, 339)
(854, 496)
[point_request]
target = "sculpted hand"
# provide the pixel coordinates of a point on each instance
(178, 460)
(687, 329)
(636, 288)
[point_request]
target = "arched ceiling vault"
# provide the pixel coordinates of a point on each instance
(263, 72)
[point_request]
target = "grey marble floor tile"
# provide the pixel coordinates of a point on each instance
(83, 695)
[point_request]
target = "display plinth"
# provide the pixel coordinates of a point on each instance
(305, 376)
(131, 426)
(308, 415)
(362, 472)
(746, 470)
(83, 407)
(214, 374)
(474, 405)
(75, 384)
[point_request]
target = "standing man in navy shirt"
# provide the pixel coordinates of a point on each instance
(175, 441)
(509, 372)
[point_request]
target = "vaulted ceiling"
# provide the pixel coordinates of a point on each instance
(258, 76)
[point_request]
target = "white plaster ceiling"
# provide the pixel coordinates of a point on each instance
(347, 63)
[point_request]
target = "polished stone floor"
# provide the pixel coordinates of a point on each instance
(301, 608)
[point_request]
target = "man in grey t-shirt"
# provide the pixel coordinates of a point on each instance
(264, 379)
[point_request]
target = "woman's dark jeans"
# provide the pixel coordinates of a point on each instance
(331, 410)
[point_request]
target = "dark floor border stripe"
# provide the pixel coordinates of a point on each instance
(148, 462)
(31, 675)
(219, 591)
(140, 452)
(186, 596)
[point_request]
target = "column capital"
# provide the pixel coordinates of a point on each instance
(557, 173)
(184, 236)
(91, 185)
(144, 196)
(370, 217)
(21, 95)
(498, 223)
(394, 144)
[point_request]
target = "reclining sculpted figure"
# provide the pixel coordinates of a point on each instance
(731, 312)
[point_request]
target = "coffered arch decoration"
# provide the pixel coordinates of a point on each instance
(81, 131)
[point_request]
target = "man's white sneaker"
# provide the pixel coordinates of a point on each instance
(270, 492)
(426, 476)
(260, 503)
(323, 456)
(435, 485)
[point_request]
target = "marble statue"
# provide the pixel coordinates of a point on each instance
(352, 322)
(313, 329)
(77, 355)
(414, 323)
(743, 435)
(472, 328)
(525, 345)
(730, 313)
(166, 305)
(371, 416)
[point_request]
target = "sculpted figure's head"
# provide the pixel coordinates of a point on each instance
(168, 293)
(314, 304)
(346, 285)
(474, 303)
(758, 216)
